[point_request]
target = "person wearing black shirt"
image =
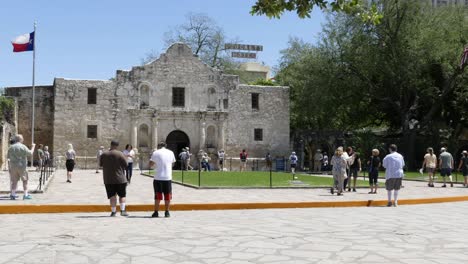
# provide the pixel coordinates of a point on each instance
(354, 169)
(374, 165)
(463, 167)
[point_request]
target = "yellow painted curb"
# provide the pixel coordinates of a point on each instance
(89, 208)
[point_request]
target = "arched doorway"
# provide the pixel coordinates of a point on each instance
(176, 141)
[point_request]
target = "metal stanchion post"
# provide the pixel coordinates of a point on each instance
(199, 175)
(86, 160)
(182, 171)
(271, 179)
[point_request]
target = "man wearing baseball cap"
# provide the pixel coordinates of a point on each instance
(446, 166)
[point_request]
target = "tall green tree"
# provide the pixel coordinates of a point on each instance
(368, 12)
(402, 74)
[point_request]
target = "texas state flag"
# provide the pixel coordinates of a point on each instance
(23, 43)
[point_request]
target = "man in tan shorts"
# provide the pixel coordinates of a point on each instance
(18, 155)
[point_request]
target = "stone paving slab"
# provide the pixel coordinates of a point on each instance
(435, 234)
(87, 188)
(33, 183)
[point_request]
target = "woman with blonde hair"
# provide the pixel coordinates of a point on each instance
(339, 171)
(430, 162)
(70, 163)
(374, 165)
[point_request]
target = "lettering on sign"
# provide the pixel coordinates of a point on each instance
(231, 46)
(245, 55)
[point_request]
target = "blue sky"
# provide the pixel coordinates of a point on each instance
(91, 39)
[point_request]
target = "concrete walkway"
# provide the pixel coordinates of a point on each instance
(87, 188)
(419, 234)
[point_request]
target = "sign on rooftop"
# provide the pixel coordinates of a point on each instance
(246, 47)
(234, 46)
(244, 55)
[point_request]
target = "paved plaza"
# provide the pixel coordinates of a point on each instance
(431, 233)
(406, 234)
(87, 188)
(33, 184)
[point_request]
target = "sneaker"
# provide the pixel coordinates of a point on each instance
(332, 191)
(167, 214)
(69, 181)
(451, 184)
(113, 214)
(27, 197)
(395, 204)
(155, 214)
(339, 194)
(349, 189)
(370, 192)
(354, 189)
(389, 204)
(443, 186)
(123, 213)
(13, 197)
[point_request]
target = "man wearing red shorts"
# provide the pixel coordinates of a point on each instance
(162, 160)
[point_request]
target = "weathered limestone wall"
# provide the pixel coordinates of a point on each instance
(73, 114)
(205, 87)
(272, 116)
(44, 113)
(6, 131)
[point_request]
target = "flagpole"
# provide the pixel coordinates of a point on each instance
(33, 84)
(33, 90)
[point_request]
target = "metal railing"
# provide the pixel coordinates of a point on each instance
(46, 169)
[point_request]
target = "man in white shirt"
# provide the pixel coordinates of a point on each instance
(393, 164)
(162, 160)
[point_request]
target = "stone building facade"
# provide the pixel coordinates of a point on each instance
(176, 98)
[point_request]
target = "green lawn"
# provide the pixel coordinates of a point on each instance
(253, 179)
(413, 175)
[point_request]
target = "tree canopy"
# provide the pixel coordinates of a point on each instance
(402, 75)
(303, 8)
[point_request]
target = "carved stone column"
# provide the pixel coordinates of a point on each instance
(134, 133)
(155, 133)
(221, 135)
(202, 134)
